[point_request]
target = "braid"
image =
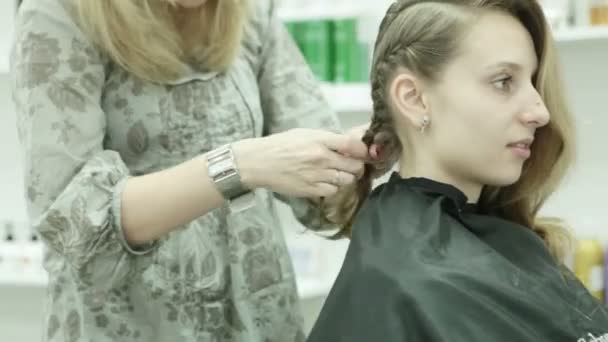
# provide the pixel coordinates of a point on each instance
(381, 132)
(393, 12)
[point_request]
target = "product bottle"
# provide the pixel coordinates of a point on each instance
(606, 277)
(351, 57)
(309, 23)
(589, 266)
(317, 46)
(599, 12)
(9, 252)
(581, 11)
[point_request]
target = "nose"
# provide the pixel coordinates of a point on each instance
(536, 115)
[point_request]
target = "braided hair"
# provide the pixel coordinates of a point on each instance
(398, 44)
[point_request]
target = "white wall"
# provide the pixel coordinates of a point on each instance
(12, 203)
(582, 201)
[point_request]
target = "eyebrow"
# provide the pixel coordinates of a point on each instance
(512, 65)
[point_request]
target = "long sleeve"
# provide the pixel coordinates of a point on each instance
(291, 98)
(73, 185)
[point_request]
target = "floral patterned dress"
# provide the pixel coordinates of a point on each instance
(86, 125)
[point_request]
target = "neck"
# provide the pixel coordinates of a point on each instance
(471, 189)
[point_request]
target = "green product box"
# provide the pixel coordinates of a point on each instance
(350, 55)
(295, 30)
(318, 48)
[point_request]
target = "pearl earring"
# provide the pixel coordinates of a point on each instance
(425, 122)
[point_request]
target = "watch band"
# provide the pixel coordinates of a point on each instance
(223, 170)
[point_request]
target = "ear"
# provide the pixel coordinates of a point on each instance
(409, 100)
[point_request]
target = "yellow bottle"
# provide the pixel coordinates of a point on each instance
(589, 266)
(599, 12)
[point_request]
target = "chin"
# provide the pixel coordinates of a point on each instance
(503, 178)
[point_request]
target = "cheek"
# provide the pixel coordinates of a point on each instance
(466, 126)
(470, 134)
(472, 142)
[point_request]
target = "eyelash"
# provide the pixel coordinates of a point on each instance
(503, 80)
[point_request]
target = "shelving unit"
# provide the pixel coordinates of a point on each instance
(38, 279)
(321, 11)
(4, 65)
(581, 34)
(347, 98)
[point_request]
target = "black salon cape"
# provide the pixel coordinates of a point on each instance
(423, 266)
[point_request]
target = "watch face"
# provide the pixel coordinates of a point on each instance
(220, 163)
(220, 167)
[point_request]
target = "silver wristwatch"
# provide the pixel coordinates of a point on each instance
(224, 172)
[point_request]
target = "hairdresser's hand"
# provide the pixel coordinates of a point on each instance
(375, 152)
(357, 133)
(301, 162)
(381, 156)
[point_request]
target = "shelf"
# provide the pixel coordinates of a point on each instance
(346, 98)
(580, 34)
(24, 280)
(313, 288)
(320, 12)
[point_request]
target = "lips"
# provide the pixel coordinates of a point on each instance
(520, 145)
(521, 148)
(523, 143)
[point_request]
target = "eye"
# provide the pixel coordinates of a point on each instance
(503, 83)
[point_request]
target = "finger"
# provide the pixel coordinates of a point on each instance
(360, 173)
(347, 178)
(346, 145)
(335, 177)
(324, 190)
(343, 178)
(346, 164)
(358, 131)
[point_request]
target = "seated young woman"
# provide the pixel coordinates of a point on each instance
(467, 97)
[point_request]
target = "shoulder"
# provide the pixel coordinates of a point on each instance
(56, 12)
(393, 213)
(44, 29)
(50, 20)
(263, 11)
(262, 21)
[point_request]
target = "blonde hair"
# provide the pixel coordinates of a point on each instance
(423, 36)
(153, 39)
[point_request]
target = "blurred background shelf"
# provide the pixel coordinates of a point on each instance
(4, 65)
(321, 11)
(348, 97)
(38, 280)
(582, 34)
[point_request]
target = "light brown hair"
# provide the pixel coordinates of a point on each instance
(423, 36)
(157, 41)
